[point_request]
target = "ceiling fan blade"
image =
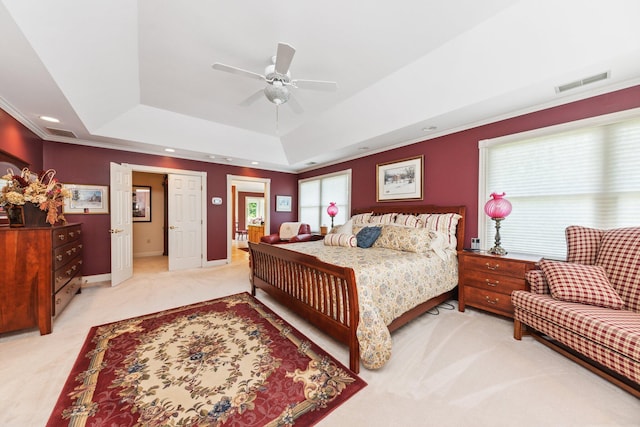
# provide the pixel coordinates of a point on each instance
(253, 98)
(284, 56)
(235, 70)
(316, 85)
(295, 105)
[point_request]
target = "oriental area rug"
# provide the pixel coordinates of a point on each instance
(225, 362)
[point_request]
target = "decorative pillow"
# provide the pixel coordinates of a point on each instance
(346, 228)
(586, 284)
(408, 220)
(382, 219)
(367, 236)
(444, 223)
(340, 239)
(407, 239)
(361, 218)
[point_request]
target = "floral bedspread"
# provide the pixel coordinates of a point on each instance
(389, 284)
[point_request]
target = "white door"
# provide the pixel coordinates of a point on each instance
(185, 221)
(121, 224)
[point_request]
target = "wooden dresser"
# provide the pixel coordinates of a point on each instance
(41, 272)
(255, 233)
(486, 281)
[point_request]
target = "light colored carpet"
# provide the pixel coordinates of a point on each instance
(451, 369)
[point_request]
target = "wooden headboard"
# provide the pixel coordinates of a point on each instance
(422, 209)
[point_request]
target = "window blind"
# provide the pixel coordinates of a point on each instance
(588, 175)
(315, 193)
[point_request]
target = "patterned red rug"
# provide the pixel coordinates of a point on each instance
(229, 361)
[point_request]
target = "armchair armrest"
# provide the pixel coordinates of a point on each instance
(300, 238)
(538, 282)
(270, 238)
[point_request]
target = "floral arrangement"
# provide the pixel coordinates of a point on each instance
(42, 190)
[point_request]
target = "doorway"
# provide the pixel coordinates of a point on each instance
(249, 201)
(182, 212)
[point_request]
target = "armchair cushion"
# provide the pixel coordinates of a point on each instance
(583, 244)
(538, 282)
(586, 284)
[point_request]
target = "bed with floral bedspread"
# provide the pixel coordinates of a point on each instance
(360, 295)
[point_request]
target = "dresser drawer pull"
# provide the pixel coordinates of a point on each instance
(80, 245)
(74, 250)
(492, 267)
(59, 257)
(72, 234)
(69, 252)
(491, 301)
(58, 301)
(494, 284)
(61, 236)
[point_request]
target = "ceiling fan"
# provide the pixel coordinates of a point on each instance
(278, 79)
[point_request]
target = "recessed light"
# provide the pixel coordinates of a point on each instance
(363, 148)
(212, 157)
(229, 159)
(430, 128)
(255, 163)
(169, 150)
(50, 119)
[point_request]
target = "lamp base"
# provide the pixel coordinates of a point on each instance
(497, 250)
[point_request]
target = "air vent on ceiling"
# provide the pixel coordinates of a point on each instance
(62, 132)
(585, 81)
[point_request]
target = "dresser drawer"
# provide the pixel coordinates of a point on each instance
(496, 265)
(65, 235)
(63, 274)
(487, 300)
(493, 282)
(63, 254)
(66, 294)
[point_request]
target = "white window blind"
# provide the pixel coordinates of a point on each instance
(314, 195)
(588, 175)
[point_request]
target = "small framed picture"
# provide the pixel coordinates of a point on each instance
(87, 199)
(400, 180)
(283, 203)
(141, 199)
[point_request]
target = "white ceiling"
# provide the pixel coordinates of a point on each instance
(136, 75)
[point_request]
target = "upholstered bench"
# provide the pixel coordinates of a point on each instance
(588, 308)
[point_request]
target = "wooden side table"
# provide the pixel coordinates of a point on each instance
(486, 281)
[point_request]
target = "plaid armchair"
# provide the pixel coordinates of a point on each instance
(589, 306)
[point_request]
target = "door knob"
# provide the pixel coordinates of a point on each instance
(115, 231)
(172, 227)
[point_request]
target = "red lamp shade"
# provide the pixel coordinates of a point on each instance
(332, 210)
(497, 206)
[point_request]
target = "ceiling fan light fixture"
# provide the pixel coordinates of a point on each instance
(277, 93)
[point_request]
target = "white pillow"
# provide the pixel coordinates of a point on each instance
(346, 228)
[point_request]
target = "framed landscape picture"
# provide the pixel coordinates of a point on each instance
(283, 203)
(400, 180)
(87, 199)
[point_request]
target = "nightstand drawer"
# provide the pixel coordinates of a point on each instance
(487, 300)
(493, 282)
(496, 265)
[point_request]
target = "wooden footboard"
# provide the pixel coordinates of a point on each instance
(323, 294)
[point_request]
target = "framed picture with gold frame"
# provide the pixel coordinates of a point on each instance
(400, 180)
(87, 199)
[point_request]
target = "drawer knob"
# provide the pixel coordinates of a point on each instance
(59, 257)
(61, 236)
(492, 267)
(491, 301)
(493, 284)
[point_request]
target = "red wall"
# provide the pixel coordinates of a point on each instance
(451, 161)
(451, 170)
(76, 164)
(20, 142)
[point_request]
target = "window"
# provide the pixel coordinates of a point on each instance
(314, 195)
(583, 173)
(255, 210)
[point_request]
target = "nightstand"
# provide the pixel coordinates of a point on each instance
(486, 281)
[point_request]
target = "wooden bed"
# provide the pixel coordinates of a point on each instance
(325, 294)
